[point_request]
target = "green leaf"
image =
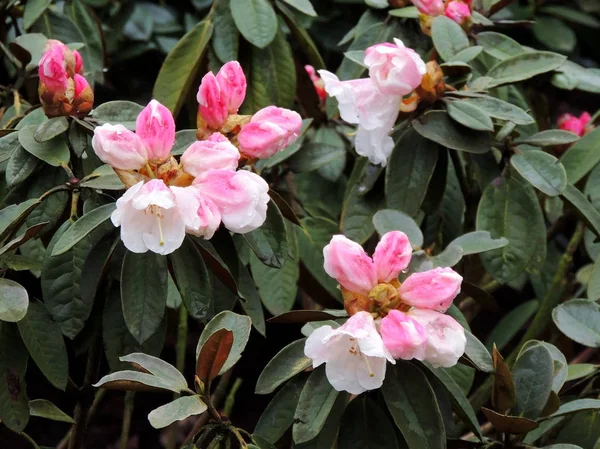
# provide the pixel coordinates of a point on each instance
(554, 34)
(315, 403)
(14, 409)
(448, 37)
(524, 66)
(45, 343)
(542, 170)
(107, 179)
(118, 112)
(178, 73)
(583, 208)
(54, 152)
(511, 210)
(470, 115)
(304, 6)
(269, 242)
(532, 375)
(573, 76)
(467, 55)
(366, 426)
(559, 362)
(582, 156)
(156, 367)
(575, 406)
(277, 286)
(315, 155)
(20, 166)
(46, 409)
(500, 109)
(437, 126)
(413, 406)
(579, 319)
(387, 220)
(193, 281)
(133, 380)
(238, 324)
(409, 172)
(286, 364)
(478, 354)
(14, 301)
(499, 45)
(226, 39)
(580, 370)
(549, 138)
(478, 242)
(143, 293)
(408, 12)
(177, 410)
(278, 417)
(33, 10)
(51, 128)
(53, 207)
(302, 38)
(256, 20)
(8, 145)
(91, 32)
(572, 15)
(82, 228)
(510, 324)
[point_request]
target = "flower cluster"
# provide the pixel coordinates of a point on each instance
(259, 136)
(63, 90)
(167, 199)
(579, 125)
(374, 103)
(388, 320)
(457, 10)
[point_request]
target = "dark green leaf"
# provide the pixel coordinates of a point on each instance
(387, 220)
(366, 426)
(467, 55)
(524, 66)
(91, 31)
(576, 406)
(277, 287)
(226, 39)
(256, 20)
(302, 38)
(554, 34)
(54, 152)
(408, 12)
(572, 15)
(583, 208)
(532, 374)
(14, 409)
(470, 115)
(33, 10)
(582, 156)
(478, 354)
(269, 242)
(315, 155)
(542, 170)
(499, 45)
(46, 409)
(119, 111)
(500, 109)
(20, 166)
(51, 128)
(579, 319)
(510, 324)
(14, 301)
(549, 138)
(580, 370)
(286, 364)
(448, 37)
(304, 6)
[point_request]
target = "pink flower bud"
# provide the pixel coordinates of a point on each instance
(232, 81)
(213, 107)
(80, 84)
(201, 216)
(458, 11)
(53, 70)
(214, 153)
(83, 100)
(270, 130)
(429, 7)
(392, 255)
(434, 289)
(568, 122)
(156, 127)
(117, 146)
(78, 62)
(394, 68)
(446, 341)
(317, 82)
(404, 337)
(347, 262)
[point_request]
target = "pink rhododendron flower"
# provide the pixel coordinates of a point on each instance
(232, 82)
(446, 341)
(156, 127)
(347, 262)
(392, 255)
(201, 215)
(458, 11)
(240, 196)
(213, 107)
(152, 217)
(395, 69)
(354, 354)
(317, 82)
(433, 289)
(429, 7)
(579, 126)
(404, 337)
(80, 84)
(119, 147)
(270, 130)
(215, 153)
(53, 70)
(78, 62)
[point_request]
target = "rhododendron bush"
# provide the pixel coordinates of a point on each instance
(300, 224)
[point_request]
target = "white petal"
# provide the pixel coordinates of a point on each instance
(315, 348)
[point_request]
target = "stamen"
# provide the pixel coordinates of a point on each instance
(371, 373)
(160, 232)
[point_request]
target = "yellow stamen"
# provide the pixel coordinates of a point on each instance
(371, 373)
(160, 232)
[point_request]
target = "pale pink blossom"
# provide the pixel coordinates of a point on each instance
(433, 289)
(232, 82)
(404, 337)
(347, 262)
(392, 255)
(317, 82)
(270, 130)
(240, 196)
(394, 68)
(212, 105)
(119, 147)
(446, 340)
(214, 153)
(53, 69)
(78, 62)
(429, 7)
(354, 354)
(156, 127)
(458, 11)
(201, 216)
(579, 126)
(152, 218)
(361, 103)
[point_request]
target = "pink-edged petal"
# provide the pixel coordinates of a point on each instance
(392, 255)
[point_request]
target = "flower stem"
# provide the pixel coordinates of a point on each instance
(127, 414)
(182, 332)
(150, 172)
(230, 400)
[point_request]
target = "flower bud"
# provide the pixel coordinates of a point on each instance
(78, 62)
(430, 7)
(84, 97)
(459, 12)
(156, 128)
(232, 82)
(317, 82)
(404, 337)
(117, 146)
(52, 70)
(212, 110)
(579, 126)
(395, 69)
(347, 262)
(434, 289)
(392, 255)
(270, 130)
(215, 153)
